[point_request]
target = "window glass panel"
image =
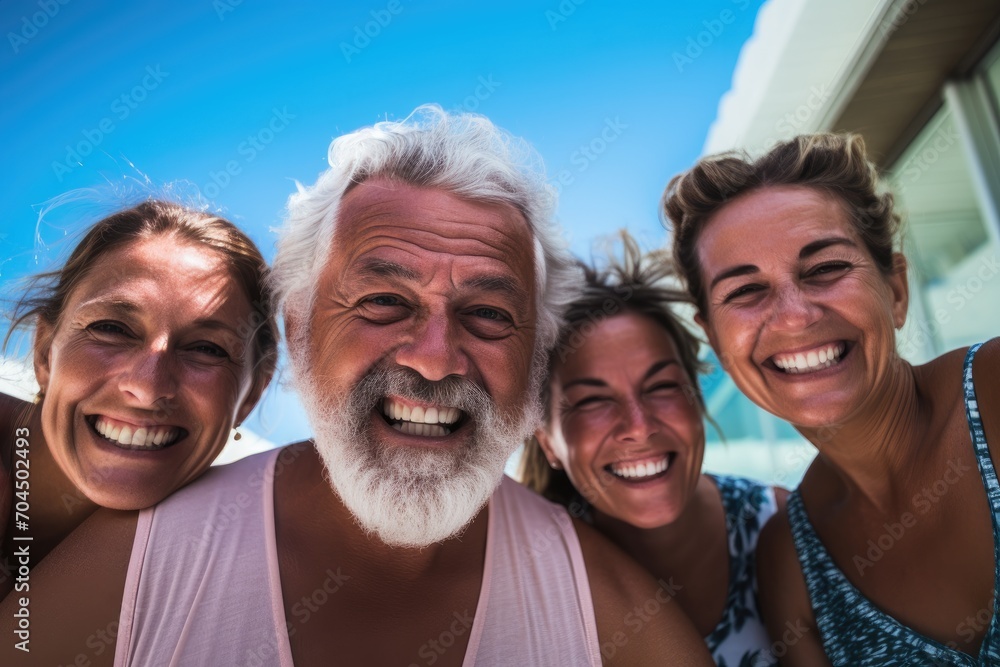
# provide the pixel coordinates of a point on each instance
(953, 271)
(993, 79)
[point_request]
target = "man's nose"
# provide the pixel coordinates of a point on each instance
(433, 349)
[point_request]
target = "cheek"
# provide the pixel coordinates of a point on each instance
(734, 338)
(50, 419)
(695, 432)
(77, 372)
(73, 361)
(679, 409)
(586, 430)
(346, 346)
(217, 387)
(505, 369)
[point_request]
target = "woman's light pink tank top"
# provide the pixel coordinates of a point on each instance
(203, 586)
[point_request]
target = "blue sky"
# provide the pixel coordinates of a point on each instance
(239, 98)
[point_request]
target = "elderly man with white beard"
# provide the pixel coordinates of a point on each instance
(422, 284)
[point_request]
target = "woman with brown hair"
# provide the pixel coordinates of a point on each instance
(887, 551)
(151, 343)
(622, 447)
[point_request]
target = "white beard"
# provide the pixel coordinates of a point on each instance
(413, 497)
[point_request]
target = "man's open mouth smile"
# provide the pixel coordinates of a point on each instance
(432, 421)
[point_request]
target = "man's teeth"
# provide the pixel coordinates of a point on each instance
(152, 437)
(413, 428)
(813, 360)
(419, 415)
(640, 470)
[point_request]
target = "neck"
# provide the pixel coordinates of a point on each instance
(873, 451)
(674, 549)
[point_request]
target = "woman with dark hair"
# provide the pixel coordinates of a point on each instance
(887, 551)
(622, 447)
(151, 344)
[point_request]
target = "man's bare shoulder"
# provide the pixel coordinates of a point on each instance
(638, 620)
(74, 596)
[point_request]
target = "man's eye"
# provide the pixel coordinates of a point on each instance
(488, 323)
(384, 300)
(489, 314)
(383, 308)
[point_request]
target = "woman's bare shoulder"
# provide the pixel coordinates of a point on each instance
(75, 591)
(986, 366)
(986, 378)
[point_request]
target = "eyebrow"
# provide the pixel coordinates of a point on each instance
(741, 270)
(117, 304)
(497, 283)
(595, 382)
(383, 268)
(807, 251)
(814, 247)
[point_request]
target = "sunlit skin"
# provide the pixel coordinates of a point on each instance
(422, 279)
(151, 337)
(430, 282)
(809, 285)
(425, 280)
(623, 397)
(786, 273)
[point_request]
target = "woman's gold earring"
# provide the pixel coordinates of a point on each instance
(237, 435)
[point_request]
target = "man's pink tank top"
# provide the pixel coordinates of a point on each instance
(203, 586)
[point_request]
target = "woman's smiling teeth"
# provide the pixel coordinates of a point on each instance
(641, 470)
(432, 421)
(136, 437)
(811, 361)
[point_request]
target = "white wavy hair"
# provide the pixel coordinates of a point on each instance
(462, 153)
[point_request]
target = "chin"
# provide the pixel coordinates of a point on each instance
(809, 410)
(652, 523)
(127, 497)
(821, 419)
(647, 520)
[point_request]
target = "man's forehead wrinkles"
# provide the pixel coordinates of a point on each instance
(361, 212)
(419, 247)
(357, 263)
(493, 233)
